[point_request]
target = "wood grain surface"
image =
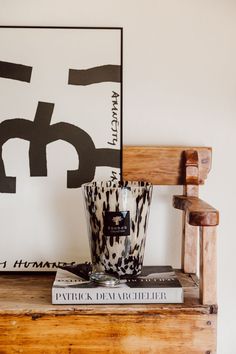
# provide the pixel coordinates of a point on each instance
(162, 165)
(108, 334)
(208, 265)
(30, 324)
(189, 246)
(191, 167)
(199, 212)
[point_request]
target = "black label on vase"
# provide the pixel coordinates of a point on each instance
(116, 223)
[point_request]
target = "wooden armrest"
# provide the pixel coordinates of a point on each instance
(199, 212)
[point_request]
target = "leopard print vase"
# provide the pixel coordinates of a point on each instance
(117, 220)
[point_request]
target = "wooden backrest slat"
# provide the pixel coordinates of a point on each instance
(162, 165)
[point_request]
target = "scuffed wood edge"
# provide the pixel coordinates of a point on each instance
(199, 212)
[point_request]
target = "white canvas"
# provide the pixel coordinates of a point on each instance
(57, 121)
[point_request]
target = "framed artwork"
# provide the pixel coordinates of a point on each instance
(60, 127)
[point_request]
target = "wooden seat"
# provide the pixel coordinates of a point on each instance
(30, 324)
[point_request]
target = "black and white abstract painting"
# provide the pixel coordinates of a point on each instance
(60, 127)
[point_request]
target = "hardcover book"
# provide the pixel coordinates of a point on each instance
(155, 284)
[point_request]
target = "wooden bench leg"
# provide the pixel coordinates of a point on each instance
(189, 246)
(208, 288)
(190, 234)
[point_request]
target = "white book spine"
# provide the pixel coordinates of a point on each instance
(81, 296)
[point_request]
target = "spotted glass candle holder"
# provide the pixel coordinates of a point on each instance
(117, 214)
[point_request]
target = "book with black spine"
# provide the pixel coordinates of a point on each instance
(155, 284)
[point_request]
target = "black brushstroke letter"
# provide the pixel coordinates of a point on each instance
(104, 73)
(40, 133)
(15, 71)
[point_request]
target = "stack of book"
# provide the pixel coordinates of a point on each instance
(155, 284)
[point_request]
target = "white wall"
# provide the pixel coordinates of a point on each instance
(179, 88)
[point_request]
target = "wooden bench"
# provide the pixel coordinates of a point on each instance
(30, 324)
